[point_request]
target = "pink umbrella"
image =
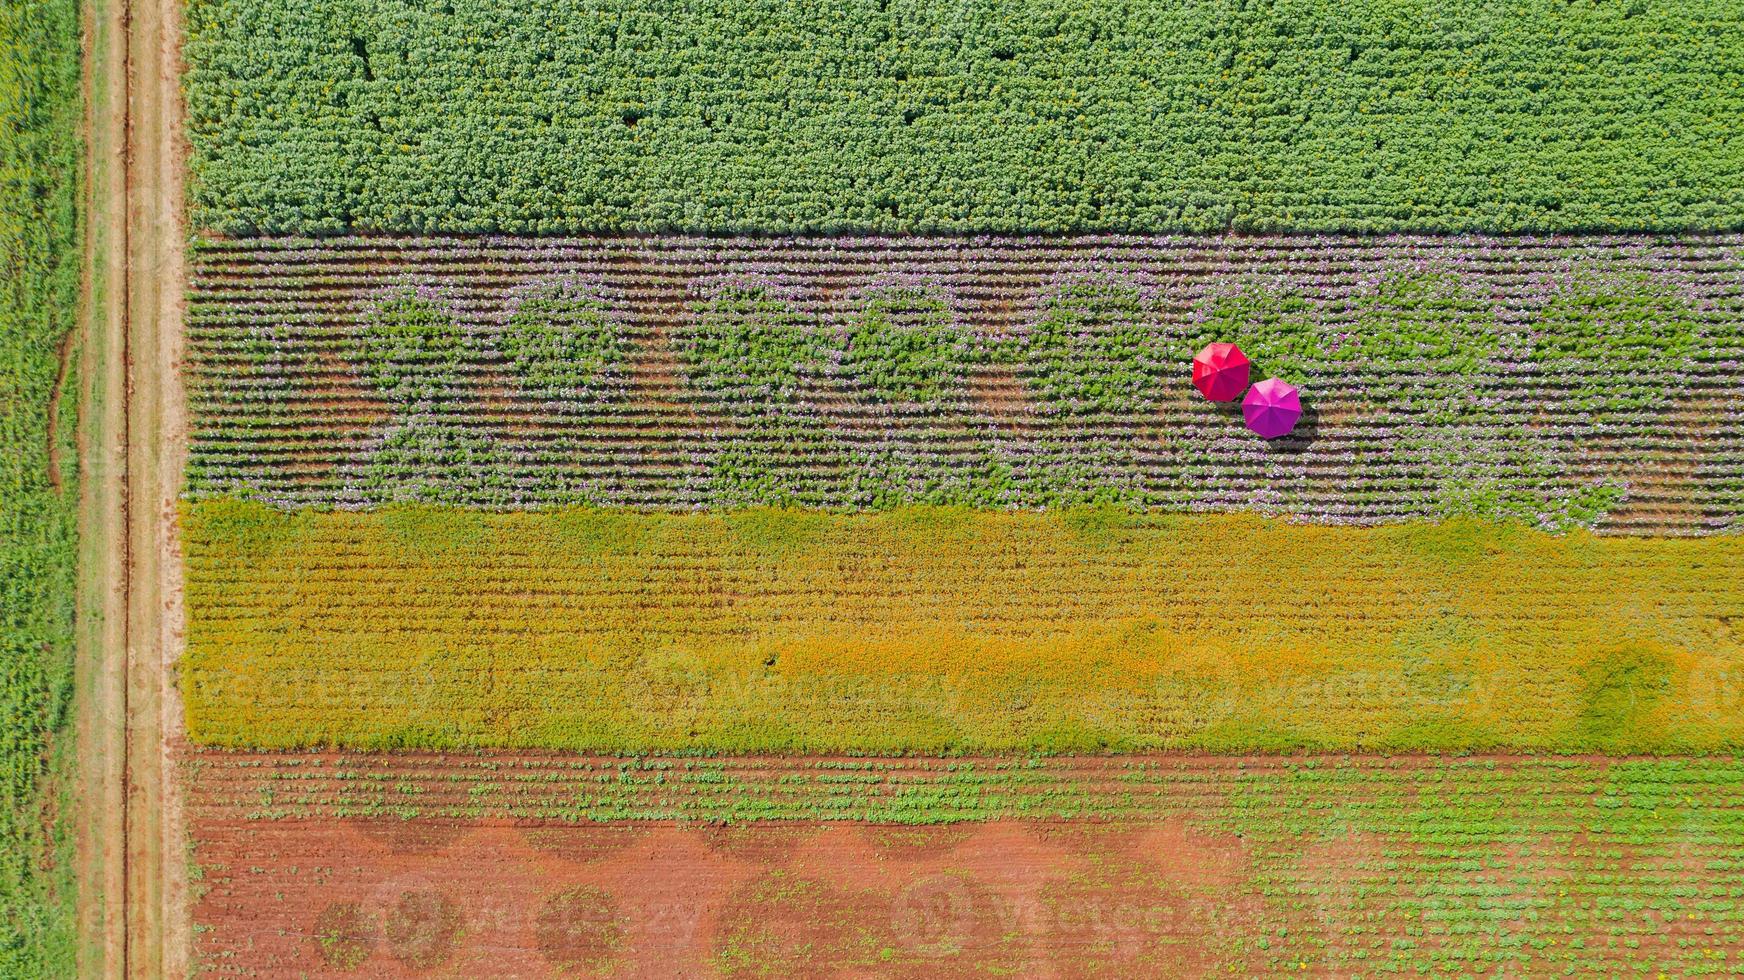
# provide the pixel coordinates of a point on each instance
(1220, 372)
(1272, 407)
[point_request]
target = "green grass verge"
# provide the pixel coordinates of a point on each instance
(934, 629)
(915, 115)
(39, 290)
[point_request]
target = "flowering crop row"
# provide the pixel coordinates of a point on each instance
(1556, 381)
(321, 116)
(948, 629)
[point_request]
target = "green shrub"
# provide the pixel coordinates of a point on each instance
(784, 460)
(1419, 341)
(411, 344)
(893, 472)
(432, 461)
(273, 363)
(748, 342)
(1272, 323)
(563, 340)
(1091, 350)
(1626, 339)
(1508, 472)
(904, 344)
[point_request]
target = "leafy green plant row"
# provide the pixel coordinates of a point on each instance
(40, 163)
(1532, 380)
(984, 115)
(1473, 796)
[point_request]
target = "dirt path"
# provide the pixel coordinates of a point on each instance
(100, 671)
(158, 939)
(132, 878)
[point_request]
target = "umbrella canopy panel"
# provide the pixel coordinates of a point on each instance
(1220, 372)
(1272, 407)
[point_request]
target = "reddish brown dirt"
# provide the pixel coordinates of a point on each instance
(1003, 397)
(603, 842)
(403, 836)
(1007, 898)
(290, 882)
(664, 900)
(1350, 867)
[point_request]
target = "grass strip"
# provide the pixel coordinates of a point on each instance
(39, 295)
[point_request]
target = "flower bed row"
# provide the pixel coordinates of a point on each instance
(1559, 381)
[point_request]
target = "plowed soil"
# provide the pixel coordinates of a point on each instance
(1215, 866)
(843, 900)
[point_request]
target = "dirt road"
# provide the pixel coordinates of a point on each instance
(131, 873)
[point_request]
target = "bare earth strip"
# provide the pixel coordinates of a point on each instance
(1158, 865)
(132, 877)
(158, 940)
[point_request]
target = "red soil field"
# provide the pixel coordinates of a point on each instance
(1003, 898)
(1218, 880)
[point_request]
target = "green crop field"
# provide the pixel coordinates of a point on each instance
(39, 290)
(318, 116)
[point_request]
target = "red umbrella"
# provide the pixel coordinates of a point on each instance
(1220, 372)
(1272, 407)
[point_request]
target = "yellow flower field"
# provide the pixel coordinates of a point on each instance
(939, 630)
